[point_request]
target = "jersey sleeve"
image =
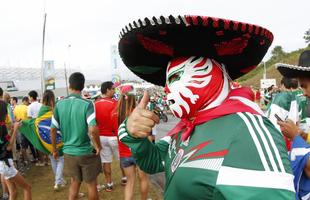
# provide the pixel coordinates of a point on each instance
(149, 156)
(91, 115)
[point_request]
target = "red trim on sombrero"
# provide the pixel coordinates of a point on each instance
(250, 29)
(155, 46)
(193, 20)
(226, 24)
(215, 23)
(204, 20)
(232, 47)
(235, 26)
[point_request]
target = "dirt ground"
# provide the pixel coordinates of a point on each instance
(42, 182)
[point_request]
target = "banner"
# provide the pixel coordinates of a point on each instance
(265, 83)
(49, 75)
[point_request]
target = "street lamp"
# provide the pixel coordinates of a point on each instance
(68, 61)
(265, 72)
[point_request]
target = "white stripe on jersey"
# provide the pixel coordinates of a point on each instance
(273, 144)
(254, 178)
(256, 141)
(266, 145)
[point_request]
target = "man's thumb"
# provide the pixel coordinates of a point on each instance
(144, 101)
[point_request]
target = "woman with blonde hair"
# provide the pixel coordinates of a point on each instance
(126, 104)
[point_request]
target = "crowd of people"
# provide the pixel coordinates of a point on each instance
(224, 146)
(89, 140)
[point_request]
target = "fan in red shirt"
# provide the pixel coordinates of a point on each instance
(126, 103)
(104, 108)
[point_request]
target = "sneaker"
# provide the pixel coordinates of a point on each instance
(56, 187)
(5, 196)
(124, 181)
(109, 187)
(81, 195)
(39, 164)
(100, 187)
(63, 184)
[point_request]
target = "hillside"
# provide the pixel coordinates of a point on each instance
(253, 78)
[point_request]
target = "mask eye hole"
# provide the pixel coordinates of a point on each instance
(174, 77)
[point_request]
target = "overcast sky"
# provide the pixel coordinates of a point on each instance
(92, 26)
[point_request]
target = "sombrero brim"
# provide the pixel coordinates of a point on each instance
(146, 46)
(293, 71)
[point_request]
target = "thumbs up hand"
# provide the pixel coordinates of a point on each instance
(141, 121)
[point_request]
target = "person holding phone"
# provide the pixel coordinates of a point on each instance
(300, 152)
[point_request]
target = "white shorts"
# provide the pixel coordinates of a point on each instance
(109, 149)
(8, 171)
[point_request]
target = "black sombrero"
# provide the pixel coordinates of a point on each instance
(146, 46)
(300, 70)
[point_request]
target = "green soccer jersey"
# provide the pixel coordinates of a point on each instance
(285, 106)
(72, 116)
(238, 156)
(302, 102)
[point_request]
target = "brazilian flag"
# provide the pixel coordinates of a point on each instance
(37, 131)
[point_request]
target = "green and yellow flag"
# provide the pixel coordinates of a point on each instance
(37, 131)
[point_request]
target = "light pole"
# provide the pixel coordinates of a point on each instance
(69, 48)
(42, 57)
(265, 71)
(68, 61)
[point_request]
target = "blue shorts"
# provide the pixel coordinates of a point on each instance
(127, 162)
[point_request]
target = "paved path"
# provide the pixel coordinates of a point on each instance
(162, 129)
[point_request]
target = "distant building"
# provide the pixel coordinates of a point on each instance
(118, 67)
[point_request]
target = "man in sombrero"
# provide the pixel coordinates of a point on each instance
(223, 147)
(300, 153)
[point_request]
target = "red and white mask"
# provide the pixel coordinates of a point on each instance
(194, 84)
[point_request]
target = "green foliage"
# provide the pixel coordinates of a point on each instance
(278, 56)
(277, 53)
(307, 37)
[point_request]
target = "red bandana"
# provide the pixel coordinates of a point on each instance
(230, 106)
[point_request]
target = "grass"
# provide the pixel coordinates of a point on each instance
(42, 182)
(253, 77)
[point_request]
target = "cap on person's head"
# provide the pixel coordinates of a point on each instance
(77, 81)
(300, 70)
(33, 94)
(105, 86)
(127, 90)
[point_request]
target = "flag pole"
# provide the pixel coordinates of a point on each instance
(42, 61)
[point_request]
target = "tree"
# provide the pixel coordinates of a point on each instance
(307, 36)
(277, 53)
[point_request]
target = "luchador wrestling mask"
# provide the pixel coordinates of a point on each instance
(194, 84)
